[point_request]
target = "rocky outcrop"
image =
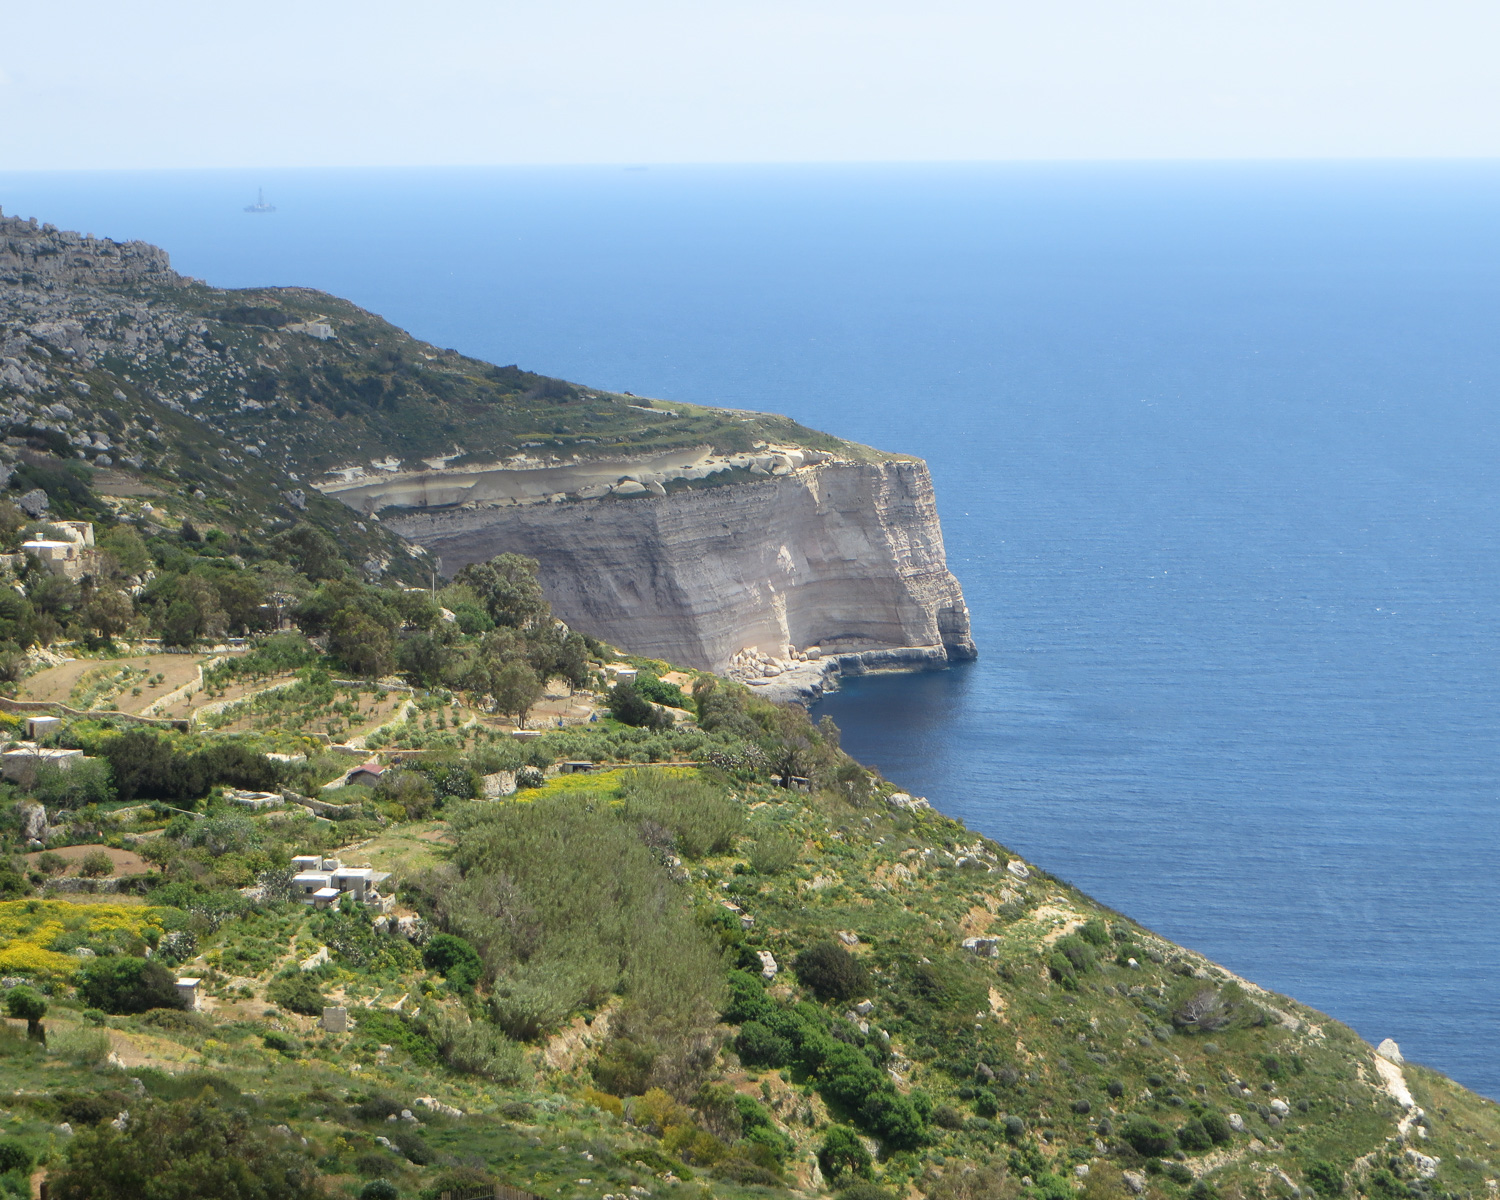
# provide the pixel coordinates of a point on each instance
(845, 559)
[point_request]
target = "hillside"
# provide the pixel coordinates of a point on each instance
(314, 882)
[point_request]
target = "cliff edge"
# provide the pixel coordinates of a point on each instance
(829, 562)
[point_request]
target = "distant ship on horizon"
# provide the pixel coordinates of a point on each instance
(260, 204)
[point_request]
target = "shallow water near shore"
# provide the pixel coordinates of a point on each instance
(1216, 454)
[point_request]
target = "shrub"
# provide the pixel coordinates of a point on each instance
(96, 864)
(1148, 1137)
(87, 781)
(1198, 1006)
(296, 991)
(454, 959)
(865, 1191)
(1095, 932)
(1215, 1125)
(281, 1043)
(14, 1156)
(772, 854)
(190, 1148)
(831, 972)
(475, 1048)
(50, 863)
(412, 1145)
(120, 984)
(1192, 1137)
(842, 1155)
(701, 818)
(1078, 953)
(380, 1189)
(760, 1046)
(83, 1047)
(629, 707)
(1325, 1178)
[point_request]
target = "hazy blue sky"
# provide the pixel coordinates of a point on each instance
(195, 83)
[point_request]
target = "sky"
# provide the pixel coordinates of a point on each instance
(93, 84)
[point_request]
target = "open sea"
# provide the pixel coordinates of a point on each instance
(1217, 452)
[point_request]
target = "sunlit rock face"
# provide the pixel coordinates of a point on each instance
(837, 557)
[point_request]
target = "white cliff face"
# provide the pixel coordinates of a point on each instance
(843, 557)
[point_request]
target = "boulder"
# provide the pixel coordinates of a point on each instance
(768, 967)
(1389, 1051)
(1425, 1165)
(1017, 868)
(1237, 1122)
(1280, 1107)
(34, 503)
(983, 947)
(33, 816)
(1135, 1182)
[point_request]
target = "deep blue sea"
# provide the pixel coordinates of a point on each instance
(1217, 451)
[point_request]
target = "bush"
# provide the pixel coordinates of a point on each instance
(629, 707)
(1201, 1007)
(1325, 1178)
(773, 854)
(14, 1157)
(1193, 1137)
(380, 1189)
(1148, 1137)
(454, 959)
(187, 1149)
(281, 1043)
(759, 1046)
(701, 818)
(1078, 953)
(296, 991)
(474, 1048)
(1095, 932)
(120, 984)
(831, 971)
(842, 1155)
(96, 864)
(86, 781)
(1215, 1125)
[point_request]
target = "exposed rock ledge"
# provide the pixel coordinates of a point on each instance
(838, 561)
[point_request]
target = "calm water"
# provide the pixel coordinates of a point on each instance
(1216, 454)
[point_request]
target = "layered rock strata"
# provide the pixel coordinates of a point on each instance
(831, 563)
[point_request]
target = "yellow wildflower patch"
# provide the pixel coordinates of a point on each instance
(28, 927)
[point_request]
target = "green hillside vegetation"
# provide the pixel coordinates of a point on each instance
(640, 940)
(585, 983)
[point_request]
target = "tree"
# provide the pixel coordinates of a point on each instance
(516, 690)
(362, 643)
(86, 782)
(184, 1151)
(24, 1004)
(312, 552)
(507, 586)
(831, 971)
(297, 992)
(629, 707)
(425, 658)
(454, 959)
(108, 612)
(121, 984)
(842, 1155)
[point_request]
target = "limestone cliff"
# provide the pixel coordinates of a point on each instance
(841, 558)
